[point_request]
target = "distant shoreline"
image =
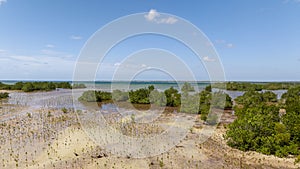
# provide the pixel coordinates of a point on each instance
(149, 81)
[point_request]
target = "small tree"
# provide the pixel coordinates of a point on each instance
(64, 110)
(187, 87)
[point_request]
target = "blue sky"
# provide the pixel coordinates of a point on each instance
(256, 40)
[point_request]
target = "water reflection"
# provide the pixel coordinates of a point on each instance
(64, 98)
(235, 94)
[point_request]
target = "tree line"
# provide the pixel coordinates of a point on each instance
(39, 86)
(248, 86)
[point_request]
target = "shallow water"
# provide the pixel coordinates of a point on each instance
(53, 99)
(65, 98)
(235, 94)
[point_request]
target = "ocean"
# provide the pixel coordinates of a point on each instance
(133, 85)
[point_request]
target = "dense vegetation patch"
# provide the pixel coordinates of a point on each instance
(248, 86)
(4, 95)
(187, 87)
(35, 86)
(95, 96)
(210, 99)
(78, 86)
(253, 98)
(261, 125)
(141, 96)
(185, 101)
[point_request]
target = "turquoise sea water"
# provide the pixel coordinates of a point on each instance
(123, 85)
(142, 84)
(160, 85)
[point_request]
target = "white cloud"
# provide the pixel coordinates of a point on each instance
(208, 59)
(39, 66)
(150, 67)
(2, 2)
(53, 53)
(2, 51)
(49, 46)
(229, 45)
(169, 20)
(35, 66)
(117, 64)
(223, 42)
(75, 37)
(24, 58)
(154, 16)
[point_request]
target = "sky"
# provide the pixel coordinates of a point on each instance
(255, 40)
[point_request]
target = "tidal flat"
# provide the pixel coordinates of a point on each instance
(43, 130)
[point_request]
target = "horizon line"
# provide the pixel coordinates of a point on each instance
(208, 81)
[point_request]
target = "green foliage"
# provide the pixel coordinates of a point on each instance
(204, 111)
(240, 86)
(253, 98)
(258, 126)
(278, 85)
(269, 96)
(103, 96)
(64, 110)
(204, 104)
(189, 103)
(292, 99)
(140, 96)
(292, 122)
(247, 86)
(212, 119)
(29, 115)
(64, 85)
(158, 98)
(213, 100)
(35, 86)
(254, 129)
(208, 88)
(18, 86)
(119, 96)
(49, 114)
(151, 88)
(187, 87)
(297, 159)
(132, 118)
(4, 86)
(95, 96)
(221, 100)
(28, 87)
(88, 96)
(4, 95)
(161, 163)
(78, 86)
(173, 97)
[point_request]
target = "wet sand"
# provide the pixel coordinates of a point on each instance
(45, 137)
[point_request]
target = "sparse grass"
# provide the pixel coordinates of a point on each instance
(297, 160)
(161, 163)
(64, 110)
